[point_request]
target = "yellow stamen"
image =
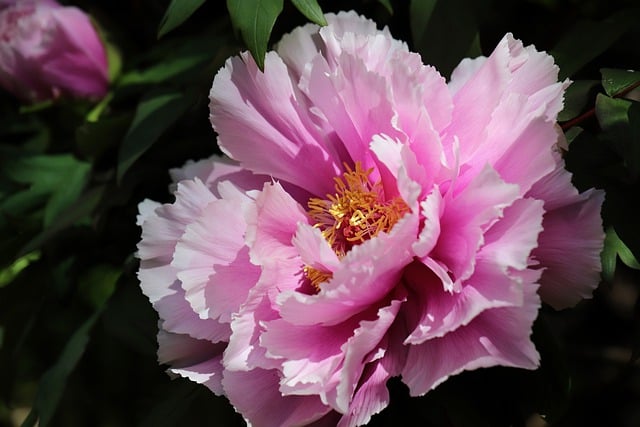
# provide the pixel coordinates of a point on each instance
(357, 212)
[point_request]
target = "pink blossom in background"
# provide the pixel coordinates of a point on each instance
(371, 221)
(48, 51)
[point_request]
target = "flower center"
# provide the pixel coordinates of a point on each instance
(356, 212)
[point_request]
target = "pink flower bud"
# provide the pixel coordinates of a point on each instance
(48, 51)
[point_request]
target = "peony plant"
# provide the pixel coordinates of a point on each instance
(48, 50)
(370, 221)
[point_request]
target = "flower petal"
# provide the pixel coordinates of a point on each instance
(366, 275)
(263, 122)
(570, 245)
(496, 337)
(255, 395)
(198, 360)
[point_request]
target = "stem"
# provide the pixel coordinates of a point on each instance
(588, 114)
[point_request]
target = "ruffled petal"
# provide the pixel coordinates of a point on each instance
(493, 284)
(256, 396)
(569, 247)
(272, 223)
(162, 227)
(212, 261)
(198, 360)
(264, 123)
(366, 275)
(466, 217)
(215, 170)
(511, 70)
(495, 337)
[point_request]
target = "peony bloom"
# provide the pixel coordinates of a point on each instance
(371, 221)
(47, 50)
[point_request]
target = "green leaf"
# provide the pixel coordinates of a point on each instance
(576, 98)
(57, 180)
(179, 59)
(94, 138)
(614, 247)
(616, 81)
(420, 11)
(612, 113)
(255, 19)
(177, 12)
(586, 40)
(614, 116)
(81, 208)
(53, 381)
(455, 21)
(155, 113)
(311, 9)
(387, 5)
(97, 284)
(11, 272)
(166, 69)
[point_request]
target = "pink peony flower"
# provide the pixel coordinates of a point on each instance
(374, 221)
(47, 50)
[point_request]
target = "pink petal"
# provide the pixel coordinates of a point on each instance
(213, 171)
(367, 345)
(519, 144)
(366, 275)
(314, 249)
(264, 123)
(570, 245)
(179, 317)
(191, 358)
(353, 101)
(256, 396)
(161, 229)
(272, 224)
(511, 69)
(213, 262)
(508, 245)
(465, 218)
(431, 210)
(244, 351)
(495, 337)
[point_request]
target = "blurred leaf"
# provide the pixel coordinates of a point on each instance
(167, 69)
(177, 12)
(97, 284)
(94, 114)
(155, 113)
(131, 319)
(614, 248)
(572, 133)
(114, 61)
(611, 112)
(38, 106)
(254, 19)
(420, 12)
(455, 21)
(633, 115)
(53, 381)
(613, 117)
(586, 40)
(56, 179)
(475, 49)
(616, 81)
(311, 9)
(576, 98)
(9, 273)
(81, 208)
(387, 5)
(94, 138)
